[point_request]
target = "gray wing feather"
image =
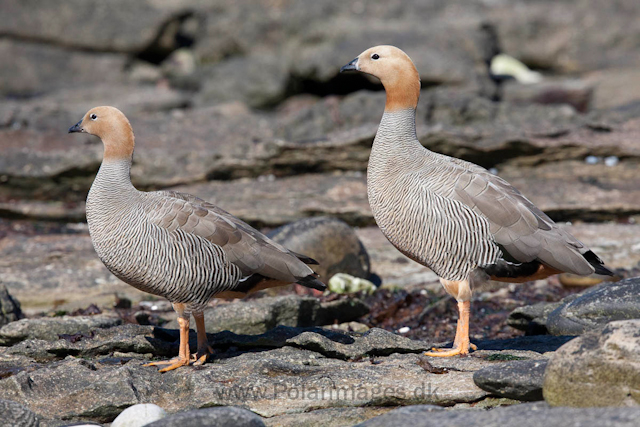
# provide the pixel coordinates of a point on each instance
(243, 245)
(518, 226)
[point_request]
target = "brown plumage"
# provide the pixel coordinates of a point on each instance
(451, 215)
(176, 245)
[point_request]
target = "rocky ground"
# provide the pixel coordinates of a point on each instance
(241, 103)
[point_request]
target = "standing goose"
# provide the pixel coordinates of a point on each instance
(176, 245)
(451, 215)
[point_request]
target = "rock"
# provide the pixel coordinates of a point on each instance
(127, 340)
(258, 80)
(330, 241)
(532, 318)
(536, 36)
(524, 415)
(62, 270)
(9, 307)
(343, 283)
(414, 415)
(596, 307)
(132, 28)
(49, 328)
(225, 416)
(576, 93)
(599, 368)
(519, 380)
(36, 68)
(14, 414)
(374, 342)
(330, 417)
(614, 88)
(257, 316)
(139, 415)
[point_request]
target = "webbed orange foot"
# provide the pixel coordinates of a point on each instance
(173, 363)
(448, 352)
(201, 357)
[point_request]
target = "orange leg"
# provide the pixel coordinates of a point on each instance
(184, 355)
(204, 349)
(461, 344)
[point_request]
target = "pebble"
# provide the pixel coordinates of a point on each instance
(611, 161)
(591, 160)
(139, 415)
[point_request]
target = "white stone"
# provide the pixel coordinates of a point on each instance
(139, 415)
(611, 161)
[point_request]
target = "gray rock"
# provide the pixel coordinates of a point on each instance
(132, 27)
(15, 415)
(226, 416)
(409, 415)
(596, 307)
(576, 93)
(599, 368)
(532, 318)
(329, 417)
(374, 342)
(9, 307)
(259, 315)
(524, 415)
(35, 68)
(257, 80)
(49, 328)
(519, 380)
(330, 241)
(125, 339)
(61, 269)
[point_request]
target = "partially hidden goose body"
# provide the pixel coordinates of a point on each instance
(451, 215)
(176, 245)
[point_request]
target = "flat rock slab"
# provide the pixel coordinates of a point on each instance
(50, 328)
(599, 368)
(329, 417)
(519, 380)
(62, 271)
(525, 415)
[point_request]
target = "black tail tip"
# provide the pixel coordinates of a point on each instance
(311, 281)
(597, 263)
(601, 269)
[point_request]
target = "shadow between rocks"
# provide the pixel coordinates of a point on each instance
(332, 344)
(537, 343)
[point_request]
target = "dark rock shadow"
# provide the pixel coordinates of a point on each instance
(225, 340)
(537, 343)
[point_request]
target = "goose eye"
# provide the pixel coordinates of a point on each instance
(375, 56)
(93, 117)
